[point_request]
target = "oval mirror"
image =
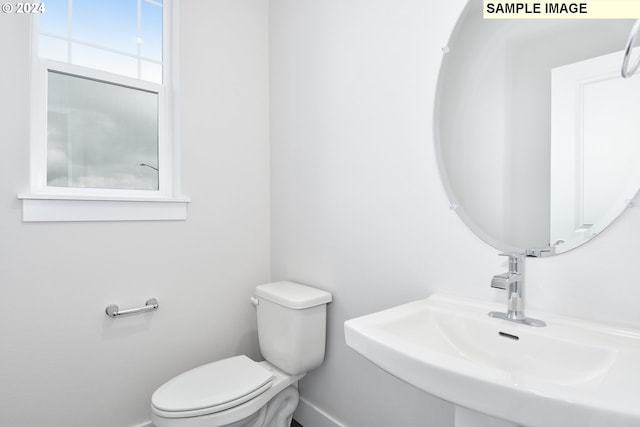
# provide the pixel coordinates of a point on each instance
(537, 134)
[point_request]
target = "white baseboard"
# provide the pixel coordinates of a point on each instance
(309, 415)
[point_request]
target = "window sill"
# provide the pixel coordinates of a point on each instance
(47, 207)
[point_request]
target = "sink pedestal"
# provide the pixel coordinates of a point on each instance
(468, 418)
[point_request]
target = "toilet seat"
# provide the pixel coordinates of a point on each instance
(280, 382)
(212, 388)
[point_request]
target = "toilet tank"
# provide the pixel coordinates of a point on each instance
(292, 321)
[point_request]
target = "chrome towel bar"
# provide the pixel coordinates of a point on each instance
(113, 310)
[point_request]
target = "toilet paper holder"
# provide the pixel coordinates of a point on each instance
(114, 311)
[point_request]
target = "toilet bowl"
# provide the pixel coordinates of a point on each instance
(239, 392)
(230, 392)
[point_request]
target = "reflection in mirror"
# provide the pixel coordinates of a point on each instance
(536, 131)
(595, 147)
(630, 66)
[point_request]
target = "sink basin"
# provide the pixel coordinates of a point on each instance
(569, 373)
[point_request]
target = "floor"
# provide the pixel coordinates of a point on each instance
(294, 423)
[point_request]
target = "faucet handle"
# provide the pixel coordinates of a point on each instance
(516, 261)
(512, 254)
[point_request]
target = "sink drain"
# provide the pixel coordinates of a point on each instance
(510, 336)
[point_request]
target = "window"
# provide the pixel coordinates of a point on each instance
(100, 134)
(101, 144)
(123, 37)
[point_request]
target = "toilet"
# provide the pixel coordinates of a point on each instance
(238, 392)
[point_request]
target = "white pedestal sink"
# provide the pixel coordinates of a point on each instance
(569, 373)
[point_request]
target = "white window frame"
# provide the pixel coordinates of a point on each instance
(47, 203)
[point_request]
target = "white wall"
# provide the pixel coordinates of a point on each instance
(358, 207)
(63, 363)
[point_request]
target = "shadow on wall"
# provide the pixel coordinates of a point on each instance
(117, 328)
(248, 345)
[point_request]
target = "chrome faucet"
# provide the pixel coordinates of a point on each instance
(513, 282)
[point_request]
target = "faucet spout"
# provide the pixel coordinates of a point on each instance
(513, 282)
(503, 281)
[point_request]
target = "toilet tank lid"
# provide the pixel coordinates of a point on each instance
(292, 295)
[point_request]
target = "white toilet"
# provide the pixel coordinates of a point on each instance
(238, 392)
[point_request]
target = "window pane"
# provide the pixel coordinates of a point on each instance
(101, 135)
(118, 36)
(151, 31)
(55, 19)
(112, 24)
(53, 48)
(151, 72)
(104, 60)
